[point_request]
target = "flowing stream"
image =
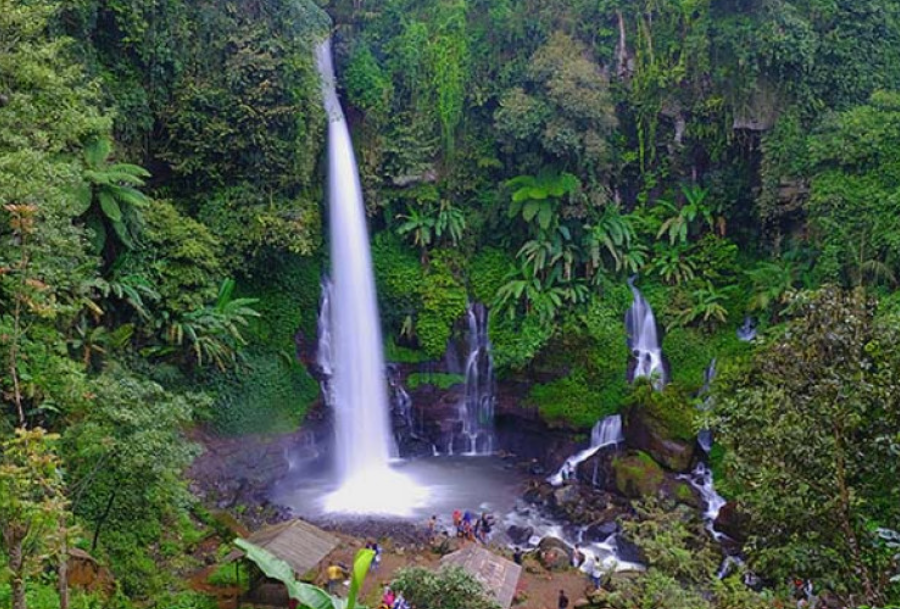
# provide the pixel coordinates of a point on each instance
(363, 439)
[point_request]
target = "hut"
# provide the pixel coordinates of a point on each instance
(498, 575)
(298, 543)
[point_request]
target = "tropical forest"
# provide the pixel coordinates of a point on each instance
(450, 304)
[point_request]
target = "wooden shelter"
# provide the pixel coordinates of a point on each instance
(497, 574)
(298, 543)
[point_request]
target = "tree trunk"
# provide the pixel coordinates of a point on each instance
(621, 49)
(102, 519)
(17, 566)
(63, 571)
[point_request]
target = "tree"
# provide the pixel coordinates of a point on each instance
(807, 425)
(32, 503)
(450, 588)
(564, 106)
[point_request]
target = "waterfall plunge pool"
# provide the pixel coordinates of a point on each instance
(438, 486)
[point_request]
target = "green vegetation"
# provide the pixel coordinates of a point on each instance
(449, 588)
(161, 252)
(439, 380)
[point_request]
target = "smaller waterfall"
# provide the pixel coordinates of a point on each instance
(747, 331)
(476, 410)
(704, 436)
(606, 432)
(643, 339)
(701, 478)
(323, 350)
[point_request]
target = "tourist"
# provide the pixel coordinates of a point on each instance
(432, 527)
(335, 574)
(400, 602)
(376, 560)
(578, 557)
(517, 555)
(563, 602)
(457, 518)
(387, 598)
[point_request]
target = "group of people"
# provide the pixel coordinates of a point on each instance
(391, 600)
(472, 527)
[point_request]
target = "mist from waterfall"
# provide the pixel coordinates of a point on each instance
(363, 439)
(643, 339)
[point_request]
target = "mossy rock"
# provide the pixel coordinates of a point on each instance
(684, 493)
(638, 475)
(646, 432)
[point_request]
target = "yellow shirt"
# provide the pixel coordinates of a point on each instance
(334, 572)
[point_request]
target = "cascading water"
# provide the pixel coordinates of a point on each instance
(701, 478)
(747, 331)
(606, 432)
(364, 442)
(643, 339)
(476, 411)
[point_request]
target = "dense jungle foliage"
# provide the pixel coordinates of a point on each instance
(161, 247)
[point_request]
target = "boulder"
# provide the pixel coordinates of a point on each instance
(554, 554)
(563, 496)
(627, 551)
(519, 535)
(732, 522)
(638, 475)
(600, 531)
(646, 433)
(682, 492)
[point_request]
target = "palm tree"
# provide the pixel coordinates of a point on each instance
(110, 200)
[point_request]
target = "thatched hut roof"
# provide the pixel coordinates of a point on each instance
(300, 544)
(498, 575)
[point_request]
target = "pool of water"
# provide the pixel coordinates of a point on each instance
(441, 485)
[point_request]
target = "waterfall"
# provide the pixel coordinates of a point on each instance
(643, 340)
(701, 478)
(363, 440)
(705, 436)
(747, 331)
(324, 356)
(606, 432)
(476, 410)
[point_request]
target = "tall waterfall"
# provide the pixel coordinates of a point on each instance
(364, 442)
(606, 432)
(476, 411)
(643, 339)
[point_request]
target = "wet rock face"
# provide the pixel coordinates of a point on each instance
(519, 535)
(733, 522)
(644, 433)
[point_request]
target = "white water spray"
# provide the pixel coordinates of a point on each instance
(643, 339)
(606, 432)
(363, 442)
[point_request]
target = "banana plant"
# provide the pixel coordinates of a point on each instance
(110, 197)
(309, 596)
(535, 198)
(680, 221)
